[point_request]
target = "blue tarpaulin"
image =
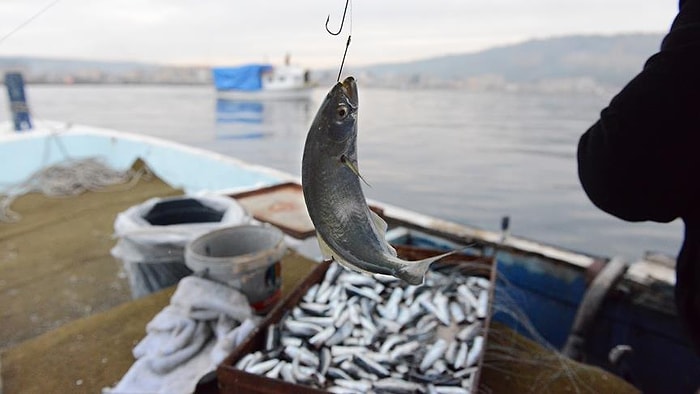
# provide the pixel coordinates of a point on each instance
(240, 78)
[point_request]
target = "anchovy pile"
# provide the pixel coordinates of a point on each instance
(355, 333)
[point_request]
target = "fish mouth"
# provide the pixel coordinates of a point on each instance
(350, 89)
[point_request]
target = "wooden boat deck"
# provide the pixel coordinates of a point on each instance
(89, 354)
(55, 263)
(69, 324)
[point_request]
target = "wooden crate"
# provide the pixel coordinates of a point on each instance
(233, 380)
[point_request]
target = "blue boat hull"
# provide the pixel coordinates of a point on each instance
(549, 293)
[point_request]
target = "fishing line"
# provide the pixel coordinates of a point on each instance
(28, 21)
(342, 23)
(342, 63)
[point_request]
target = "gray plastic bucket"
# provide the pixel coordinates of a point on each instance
(245, 257)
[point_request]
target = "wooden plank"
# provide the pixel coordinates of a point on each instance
(281, 205)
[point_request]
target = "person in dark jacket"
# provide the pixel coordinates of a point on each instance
(641, 160)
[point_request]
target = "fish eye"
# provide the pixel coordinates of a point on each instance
(342, 112)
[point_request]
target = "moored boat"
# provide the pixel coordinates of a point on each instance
(262, 82)
(545, 282)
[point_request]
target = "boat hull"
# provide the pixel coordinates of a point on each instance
(539, 292)
(181, 166)
(544, 282)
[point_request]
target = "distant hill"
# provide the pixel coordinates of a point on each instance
(561, 63)
(604, 60)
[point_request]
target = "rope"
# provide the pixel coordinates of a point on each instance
(28, 20)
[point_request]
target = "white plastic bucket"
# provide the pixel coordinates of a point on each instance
(245, 257)
(153, 235)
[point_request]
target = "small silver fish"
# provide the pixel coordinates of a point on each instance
(347, 230)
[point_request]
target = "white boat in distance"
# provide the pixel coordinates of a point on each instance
(262, 82)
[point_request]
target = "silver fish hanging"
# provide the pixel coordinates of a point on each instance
(347, 230)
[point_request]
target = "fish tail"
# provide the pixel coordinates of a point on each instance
(413, 272)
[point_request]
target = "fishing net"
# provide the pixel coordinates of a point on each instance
(514, 362)
(65, 179)
(521, 359)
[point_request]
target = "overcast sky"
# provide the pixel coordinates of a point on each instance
(210, 32)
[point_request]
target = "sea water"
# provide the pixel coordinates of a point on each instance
(468, 157)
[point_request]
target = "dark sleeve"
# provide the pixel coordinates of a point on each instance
(641, 159)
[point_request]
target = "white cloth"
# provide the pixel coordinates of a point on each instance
(204, 322)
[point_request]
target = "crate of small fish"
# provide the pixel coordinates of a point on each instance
(345, 332)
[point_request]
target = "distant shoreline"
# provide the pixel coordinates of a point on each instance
(579, 63)
(92, 83)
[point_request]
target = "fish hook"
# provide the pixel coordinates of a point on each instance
(342, 22)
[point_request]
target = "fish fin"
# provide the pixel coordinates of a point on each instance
(328, 254)
(326, 250)
(348, 163)
(382, 227)
(413, 272)
(379, 222)
(391, 249)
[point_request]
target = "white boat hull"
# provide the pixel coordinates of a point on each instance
(192, 169)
